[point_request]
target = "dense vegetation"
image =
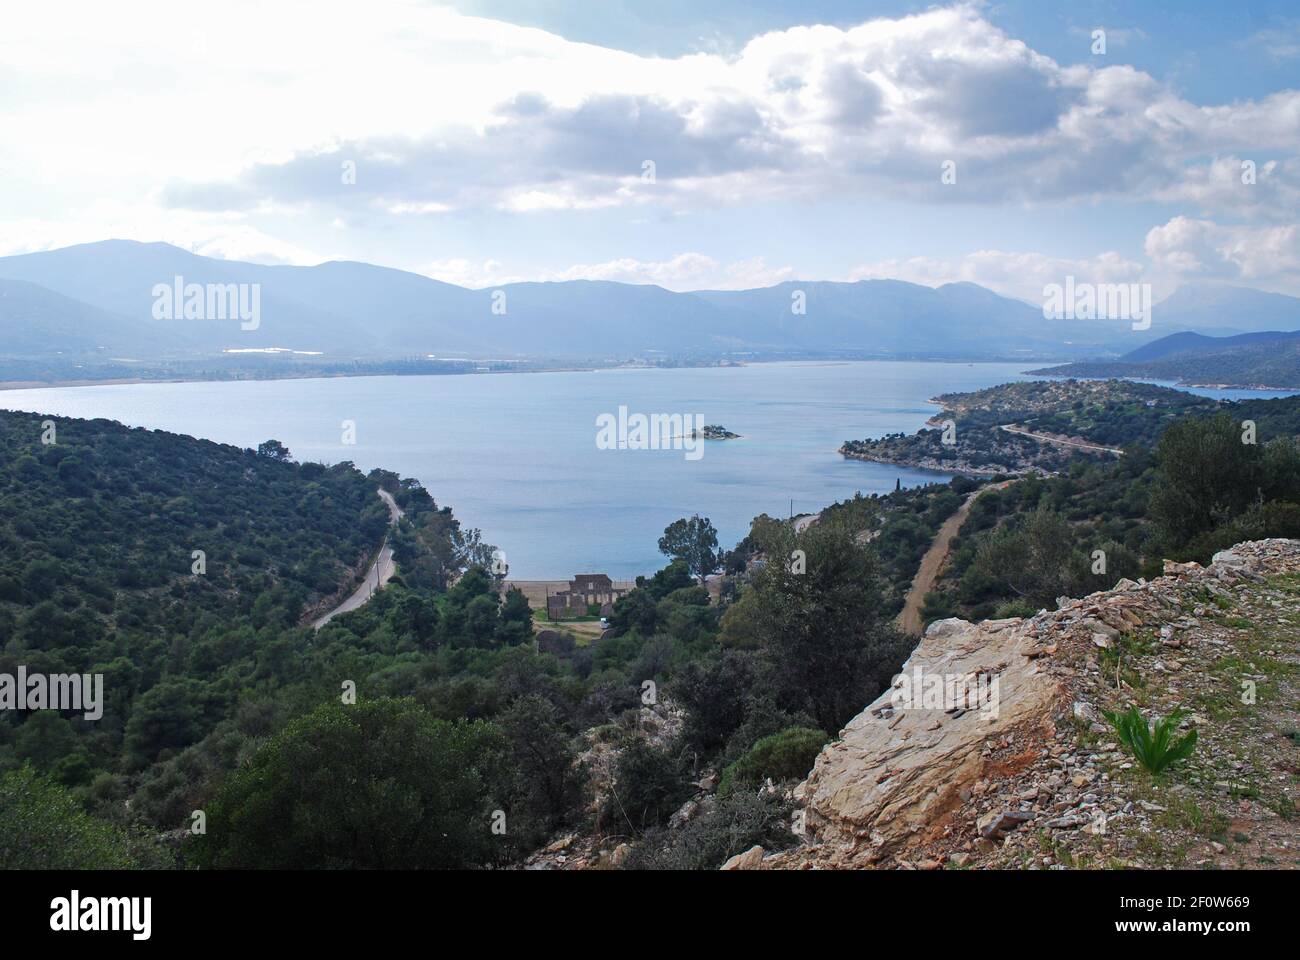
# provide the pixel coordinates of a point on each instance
(203, 657)
(804, 644)
(98, 537)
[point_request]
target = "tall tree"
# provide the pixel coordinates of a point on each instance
(1208, 475)
(274, 450)
(816, 619)
(695, 542)
(1034, 560)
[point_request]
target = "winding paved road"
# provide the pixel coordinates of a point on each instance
(380, 572)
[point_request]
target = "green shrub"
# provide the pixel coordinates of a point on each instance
(43, 828)
(649, 786)
(1153, 747)
(1015, 608)
(731, 825)
(787, 755)
(380, 784)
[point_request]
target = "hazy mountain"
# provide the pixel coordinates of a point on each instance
(894, 317)
(1187, 343)
(35, 320)
(1269, 359)
(100, 296)
(119, 276)
(1220, 309)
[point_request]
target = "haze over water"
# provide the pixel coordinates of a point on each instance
(516, 454)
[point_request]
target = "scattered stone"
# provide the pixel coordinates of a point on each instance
(995, 824)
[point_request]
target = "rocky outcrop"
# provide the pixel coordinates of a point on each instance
(898, 773)
(928, 776)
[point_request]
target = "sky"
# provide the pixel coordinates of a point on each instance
(694, 145)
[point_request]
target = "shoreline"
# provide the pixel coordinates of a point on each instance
(913, 465)
(575, 368)
(1176, 384)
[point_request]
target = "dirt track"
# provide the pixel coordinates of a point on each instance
(928, 572)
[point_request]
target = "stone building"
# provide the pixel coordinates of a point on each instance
(592, 588)
(584, 589)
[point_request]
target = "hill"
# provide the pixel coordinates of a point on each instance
(40, 322)
(98, 537)
(184, 573)
(1032, 426)
(356, 309)
(1265, 359)
(1186, 344)
(1222, 309)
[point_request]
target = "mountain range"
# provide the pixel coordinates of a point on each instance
(98, 300)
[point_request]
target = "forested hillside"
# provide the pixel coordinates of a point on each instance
(1198, 489)
(183, 571)
(1131, 472)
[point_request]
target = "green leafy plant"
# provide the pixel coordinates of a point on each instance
(787, 755)
(1153, 747)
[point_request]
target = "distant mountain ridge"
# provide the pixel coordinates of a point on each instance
(97, 298)
(1266, 359)
(37, 320)
(1187, 343)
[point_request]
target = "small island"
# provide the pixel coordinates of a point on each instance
(714, 432)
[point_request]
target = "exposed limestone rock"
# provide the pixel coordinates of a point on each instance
(897, 774)
(751, 859)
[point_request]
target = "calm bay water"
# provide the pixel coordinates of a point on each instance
(516, 456)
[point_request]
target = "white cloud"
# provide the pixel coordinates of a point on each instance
(1225, 183)
(470, 273)
(1279, 43)
(685, 271)
(1263, 256)
(218, 130)
(447, 111)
